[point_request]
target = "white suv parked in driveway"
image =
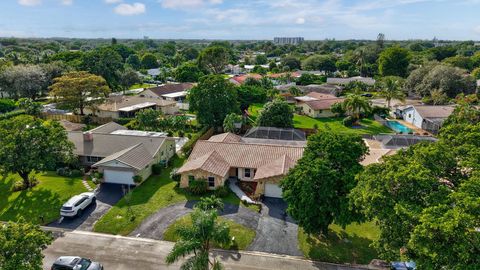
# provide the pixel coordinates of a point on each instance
(77, 204)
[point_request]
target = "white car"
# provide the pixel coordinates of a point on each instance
(77, 204)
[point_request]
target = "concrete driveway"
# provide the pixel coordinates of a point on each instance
(276, 232)
(107, 196)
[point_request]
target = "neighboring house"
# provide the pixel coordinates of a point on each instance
(345, 81)
(128, 106)
(429, 118)
(172, 91)
(249, 68)
(227, 156)
(330, 89)
(240, 79)
(120, 153)
(317, 105)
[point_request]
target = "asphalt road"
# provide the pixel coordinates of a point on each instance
(127, 253)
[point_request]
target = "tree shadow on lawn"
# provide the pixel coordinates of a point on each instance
(340, 247)
(39, 206)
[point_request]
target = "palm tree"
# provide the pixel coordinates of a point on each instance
(355, 103)
(391, 88)
(198, 239)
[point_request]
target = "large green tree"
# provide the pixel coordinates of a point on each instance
(213, 99)
(214, 59)
(276, 113)
(320, 62)
(317, 188)
(21, 246)
(29, 144)
(78, 90)
(249, 94)
(128, 78)
(104, 62)
(188, 72)
(425, 199)
(24, 81)
(149, 60)
(198, 238)
(394, 61)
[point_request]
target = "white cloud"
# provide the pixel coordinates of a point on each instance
(113, 1)
(30, 3)
(66, 2)
(300, 20)
(130, 9)
(188, 4)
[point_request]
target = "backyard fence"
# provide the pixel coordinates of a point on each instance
(77, 118)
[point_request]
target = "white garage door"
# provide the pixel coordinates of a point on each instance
(273, 190)
(118, 177)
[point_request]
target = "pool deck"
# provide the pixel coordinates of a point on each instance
(415, 129)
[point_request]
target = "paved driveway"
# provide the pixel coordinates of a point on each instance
(276, 232)
(107, 196)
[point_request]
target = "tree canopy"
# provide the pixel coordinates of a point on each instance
(214, 59)
(317, 188)
(213, 99)
(21, 246)
(104, 62)
(276, 113)
(29, 144)
(319, 62)
(78, 90)
(425, 199)
(394, 61)
(188, 72)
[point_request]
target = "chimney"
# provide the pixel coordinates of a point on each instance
(87, 136)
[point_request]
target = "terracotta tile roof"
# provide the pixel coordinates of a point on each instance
(277, 167)
(225, 137)
(321, 95)
(244, 155)
(240, 79)
(211, 162)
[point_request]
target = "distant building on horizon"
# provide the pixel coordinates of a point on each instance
(288, 40)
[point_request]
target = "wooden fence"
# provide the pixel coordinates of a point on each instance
(77, 118)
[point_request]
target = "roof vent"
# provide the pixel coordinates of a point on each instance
(87, 136)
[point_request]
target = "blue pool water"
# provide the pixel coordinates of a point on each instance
(398, 127)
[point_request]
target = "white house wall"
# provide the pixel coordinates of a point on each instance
(413, 117)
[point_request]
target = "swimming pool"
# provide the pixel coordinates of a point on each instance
(398, 127)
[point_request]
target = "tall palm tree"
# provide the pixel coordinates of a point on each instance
(391, 88)
(354, 104)
(198, 239)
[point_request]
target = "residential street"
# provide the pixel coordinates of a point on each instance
(126, 253)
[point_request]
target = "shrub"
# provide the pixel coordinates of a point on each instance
(174, 175)
(222, 192)
(188, 146)
(76, 173)
(11, 114)
(156, 169)
(348, 121)
(122, 121)
(198, 187)
(7, 105)
(338, 109)
(380, 110)
(64, 171)
(137, 179)
(181, 133)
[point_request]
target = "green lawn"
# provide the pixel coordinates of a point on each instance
(351, 245)
(45, 199)
(155, 193)
(369, 126)
(243, 235)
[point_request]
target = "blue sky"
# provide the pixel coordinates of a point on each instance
(242, 19)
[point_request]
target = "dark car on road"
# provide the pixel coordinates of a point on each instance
(75, 263)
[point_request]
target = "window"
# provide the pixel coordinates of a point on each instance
(80, 201)
(211, 181)
(247, 173)
(191, 178)
(409, 115)
(92, 159)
